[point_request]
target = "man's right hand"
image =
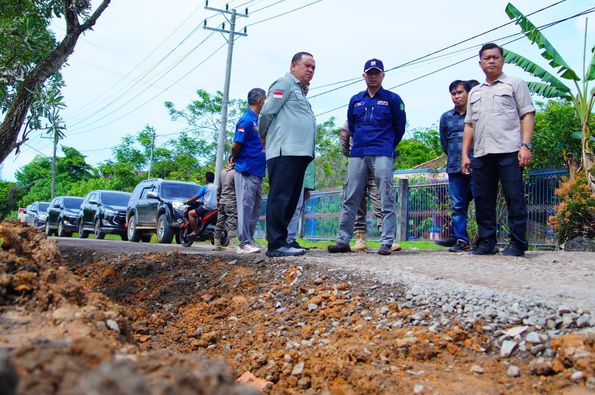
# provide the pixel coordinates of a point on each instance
(466, 164)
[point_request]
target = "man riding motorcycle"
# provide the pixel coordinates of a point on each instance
(208, 193)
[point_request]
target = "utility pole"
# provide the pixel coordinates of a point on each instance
(230, 40)
(56, 136)
(151, 156)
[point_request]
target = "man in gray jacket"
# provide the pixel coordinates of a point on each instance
(287, 124)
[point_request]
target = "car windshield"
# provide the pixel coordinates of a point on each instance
(72, 202)
(42, 206)
(115, 198)
(179, 190)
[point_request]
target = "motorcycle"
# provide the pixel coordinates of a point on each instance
(205, 228)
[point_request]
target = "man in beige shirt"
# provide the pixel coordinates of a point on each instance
(499, 125)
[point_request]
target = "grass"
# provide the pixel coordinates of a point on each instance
(406, 245)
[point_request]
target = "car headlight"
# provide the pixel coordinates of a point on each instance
(178, 205)
(111, 213)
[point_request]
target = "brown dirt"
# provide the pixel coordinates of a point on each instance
(172, 323)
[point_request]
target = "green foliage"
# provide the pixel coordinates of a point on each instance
(203, 119)
(554, 139)
(424, 146)
(330, 164)
(575, 214)
(5, 208)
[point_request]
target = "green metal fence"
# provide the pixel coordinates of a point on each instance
(428, 210)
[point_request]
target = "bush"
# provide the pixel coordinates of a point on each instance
(575, 214)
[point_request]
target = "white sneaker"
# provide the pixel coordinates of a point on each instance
(247, 249)
(254, 244)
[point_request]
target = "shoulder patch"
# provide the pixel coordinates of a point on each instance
(402, 106)
(278, 94)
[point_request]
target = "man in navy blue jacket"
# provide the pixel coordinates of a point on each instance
(377, 120)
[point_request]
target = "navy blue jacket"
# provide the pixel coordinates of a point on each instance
(377, 123)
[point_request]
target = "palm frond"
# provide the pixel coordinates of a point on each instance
(536, 70)
(549, 52)
(548, 91)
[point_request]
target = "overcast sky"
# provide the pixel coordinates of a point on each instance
(145, 52)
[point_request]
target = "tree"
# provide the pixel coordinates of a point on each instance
(554, 140)
(551, 86)
(330, 164)
(31, 55)
(424, 146)
(203, 118)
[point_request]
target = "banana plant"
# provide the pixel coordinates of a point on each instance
(552, 86)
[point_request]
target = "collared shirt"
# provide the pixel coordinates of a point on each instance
(226, 191)
(251, 158)
(287, 121)
(377, 124)
(495, 111)
(452, 124)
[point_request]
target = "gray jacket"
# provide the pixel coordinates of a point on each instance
(287, 121)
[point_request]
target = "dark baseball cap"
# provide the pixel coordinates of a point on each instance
(373, 64)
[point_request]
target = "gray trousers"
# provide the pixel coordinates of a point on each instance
(227, 217)
(371, 193)
(358, 171)
(249, 198)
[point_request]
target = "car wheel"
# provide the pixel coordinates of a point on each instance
(97, 230)
(83, 234)
(48, 231)
(146, 237)
(178, 236)
(133, 234)
(164, 231)
(61, 231)
(185, 241)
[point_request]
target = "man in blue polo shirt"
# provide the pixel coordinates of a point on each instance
(377, 120)
(249, 158)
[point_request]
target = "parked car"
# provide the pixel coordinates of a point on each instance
(156, 206)
(103, 212)
(63, 216)
(36, 214)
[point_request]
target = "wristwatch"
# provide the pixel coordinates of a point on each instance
(528, 146)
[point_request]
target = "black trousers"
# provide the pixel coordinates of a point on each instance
(286, 177)
(487, 171)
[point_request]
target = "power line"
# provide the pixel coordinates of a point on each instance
(147, 86)
(152, 98)
(93, 101)
(284, 13)
(354, 80)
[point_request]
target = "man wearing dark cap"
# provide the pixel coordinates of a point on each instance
(376, 119)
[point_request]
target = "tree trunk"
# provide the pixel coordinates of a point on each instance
(18, 109)
(588, 159)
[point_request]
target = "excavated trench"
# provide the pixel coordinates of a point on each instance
(76, 322)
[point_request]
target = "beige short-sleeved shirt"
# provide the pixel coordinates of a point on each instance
(495, 111)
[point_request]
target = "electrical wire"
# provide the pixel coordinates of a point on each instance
(282, 14)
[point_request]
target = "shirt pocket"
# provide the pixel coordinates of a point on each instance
(504, 98)
(475, 106)
(381, 114)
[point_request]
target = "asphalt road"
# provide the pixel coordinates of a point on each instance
(554, 276)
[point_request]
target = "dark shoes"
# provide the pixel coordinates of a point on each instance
(513, 250)
(484, 250)
(450, 241)
(295, 244)
(285, 251)
(339, 247)
(460, 246)
(384, 249)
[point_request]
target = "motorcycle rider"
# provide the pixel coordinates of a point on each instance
(208, 193)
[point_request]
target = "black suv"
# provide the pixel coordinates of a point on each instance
(63, 216)
(36, 214)
(103, 212)
(156, 206)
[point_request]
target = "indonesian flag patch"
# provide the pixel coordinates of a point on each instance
(278, 94)
(241, 130)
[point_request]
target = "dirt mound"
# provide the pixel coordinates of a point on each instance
(57, 336)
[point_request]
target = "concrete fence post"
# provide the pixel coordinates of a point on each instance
(402, 210)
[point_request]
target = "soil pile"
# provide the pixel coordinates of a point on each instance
(60, 337)
(161, 323)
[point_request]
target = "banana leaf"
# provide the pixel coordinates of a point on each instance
(590, 76)
(536, 70)
(548, 91)
(549, 52)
